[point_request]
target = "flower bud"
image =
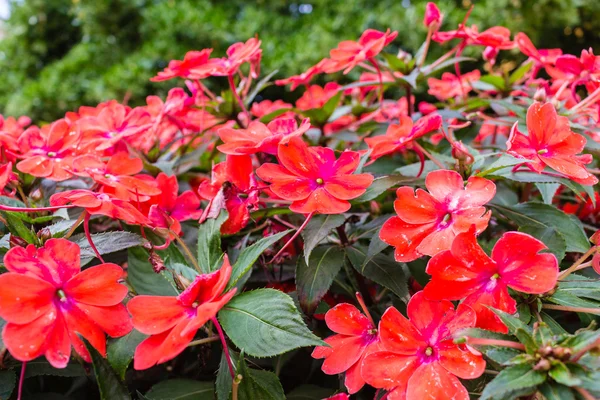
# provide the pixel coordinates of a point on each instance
(157, 263)
(540, 95)
(16, 241)
(490, 54)
(36, 195)
(461, 153)
(432, 15)
(44, 234)
(542, 365)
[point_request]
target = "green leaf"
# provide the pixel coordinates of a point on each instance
(548, 191)
(317, 229)
(16, 227)
(209, 243)
(556, 328)
(580, 286)
(382, 184)
(40, 366)
(503, 355)
(314, 279)
(494, 80)
(504, 161)
(111, 388)
(248, 257)
(561, 374)
(520, 72)
(224, 382)
(181, 389)
(309, 392)
(265, 323)
(381, 269)
(376, 246)
(258, 384)
(515, 326)
(534, 177)
(8, 381)
(108, 242)
(319, 116)
(120, 351)
(547, 216)
(570, 300)
(553, 239)
(554, 391)
(521, 379)
(177, 263)
(143, 279)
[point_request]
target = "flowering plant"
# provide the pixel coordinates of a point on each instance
(416, 233)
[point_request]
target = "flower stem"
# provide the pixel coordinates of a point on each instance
(577, 263)
(237, 98)
(361, 301)
(187, 251)
(587, 348)
(34, 209)
(86, 229)
(380, 77)
(585, 394)
(224, 343)
(495, 342)
(203, 341)
(429, 155)
(587, 310)
(234, 388)
(308, 218)
(75, 225)
(21, 380)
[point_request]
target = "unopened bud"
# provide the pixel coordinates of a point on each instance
(542, 365)
(490, 54)
(404, 56)
(540, 95)
(562, 353)
(16, 241)
(44, 234)
(36, 195)
(461, 153)
(157, 263)
(432, 15)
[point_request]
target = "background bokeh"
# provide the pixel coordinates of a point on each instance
(56, 55)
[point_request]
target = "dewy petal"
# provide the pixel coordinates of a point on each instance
(60, 256)
(346, 319)
(569, 166)
(320, 201)
(451, 278)
(478, 192)
(541, 121)
(348, 187)
(416, 207)
(58, 344)
(444, 185)
(347, 163)
(398, 334)
(155, 314)
(78, 323)
(496, 297)
(26, 342)
(460, 360)
(114, 320)
(388, 370)
(296, 157)
(439, 239)
(347, 350)
(432, 382)
(296, 189)
(97, 286)
(24, 298)
(427, 315)
(353, 379)
(404, 237)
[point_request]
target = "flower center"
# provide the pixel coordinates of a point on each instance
(495, 276)
(319, 181)
(446, 218)
(195, 304)
(62, 297)
(428, 351)
(51, 154)
(372, 331)
(542, 151)
(107, 176)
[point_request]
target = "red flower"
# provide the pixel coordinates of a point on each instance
(313, 179)
(398, 136)
(238, 54)
(432, 15)
(115, 176)
(195, 65)
(100, 203)
(168, 209)
(172, 321)
(259, 137)
(7, 176)
(234, 185)
(356, 337)
(48, 152)
(10, 130)
(451, 86)
(540, 57)
(580, 69)
(466, 272)
(349, 53)
(419, 359)
(588, 211)
(47, 300)
(316, 96)
(304, 78)
(551, 143)
(267, 107)
(427, 223)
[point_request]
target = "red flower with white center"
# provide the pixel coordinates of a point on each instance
(418, 357)
(258, 137)
(232, 183)
(400, 135)
(195, 65)
(356, 337)
(313, 179)
(172, 321)
(427, 223)
(48, 152)
(349, 53)
(466, 272)
(47, 301)
(551, 143)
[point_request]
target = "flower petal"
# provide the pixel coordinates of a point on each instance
(398, 334)
(346, 319)
(461, 360)
(348, 187)
(416, 207)
(432, 382)
(388, 370)
(155, 314)
(97, 286)
(24, 298)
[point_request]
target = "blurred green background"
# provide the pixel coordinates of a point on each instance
(56, 55)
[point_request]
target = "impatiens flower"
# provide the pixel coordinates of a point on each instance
(451, 86)
(356, 337)
(115, 175)
(48, 152)
(259, 137)
(169, 208)
(47, 301)
(551, 143)
(427, 223)
(466, 272)
(419, 359)
(100, 204)
(232, 183)
(7, 176)
(316, 96)
(580, 69)
(398, 136)
(304, 78)
(10, 130)
(541, 58)
(349, 53)
(238, 54)
(194, 65)
(172, 321)
(432, 15)
(313, 179)
(266, 107)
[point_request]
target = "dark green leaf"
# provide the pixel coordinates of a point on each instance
(503, 355)
(209, 243)
(314, 279)
(382, 184)
(519, 379)
(224, 382)
(581, 286)
(18, 228)
(317, 229)
(265, 323)
(120, 351)
(108, 242)
(553, 239)
(515, 326)
(175, 261)
(258, 384)
(143, 279)
(567, 299)
(376, 246)
(248, 257)
(561, 374)
(111, 388)
(8, 380)
(40, 366)
(554, 391)
(552, 324)
(181, 389)
(309, 392)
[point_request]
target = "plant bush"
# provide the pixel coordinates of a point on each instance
(403, 235)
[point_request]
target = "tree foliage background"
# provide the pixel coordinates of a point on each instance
(57, 55)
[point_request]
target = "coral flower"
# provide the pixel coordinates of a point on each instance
(427, 223)
(267, 107)
(356, 337)
(349, 53)
(10, 130)
(313, 179)
(451, 86)
(316, 96)
(172, 321)
(47, 301)
(541, 57)
(48, 152)
(304, 78)
(398, 136)
(259, 137)
(466, 272)
(7, 176)
(551, 143)
(195, 65)
(419, 359)
(432, 15)
(238, 54)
